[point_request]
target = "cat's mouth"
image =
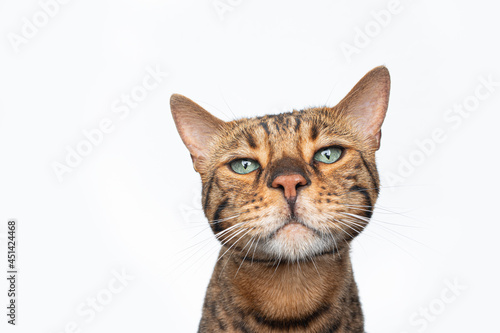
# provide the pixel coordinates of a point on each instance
(294, 240)
(293, 229)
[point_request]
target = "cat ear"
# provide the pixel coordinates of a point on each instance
(366, 104)
(195, 125)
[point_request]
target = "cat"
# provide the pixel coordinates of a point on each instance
(285, 194)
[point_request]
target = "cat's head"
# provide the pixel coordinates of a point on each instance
(293, 185)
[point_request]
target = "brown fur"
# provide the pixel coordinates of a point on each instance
(298, 280)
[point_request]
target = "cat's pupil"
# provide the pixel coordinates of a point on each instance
(326, 153)
(246, 164)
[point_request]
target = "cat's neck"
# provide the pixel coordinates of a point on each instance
(297, 286)
(310, 292)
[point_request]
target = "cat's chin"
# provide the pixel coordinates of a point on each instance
(294, 230)
(295, 241)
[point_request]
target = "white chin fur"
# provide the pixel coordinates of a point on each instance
(290, 249)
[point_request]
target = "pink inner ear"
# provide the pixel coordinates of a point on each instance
(366, 104)
(196, 126)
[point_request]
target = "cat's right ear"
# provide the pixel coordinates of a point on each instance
(196, 126)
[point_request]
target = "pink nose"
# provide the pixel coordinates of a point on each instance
(289, 183)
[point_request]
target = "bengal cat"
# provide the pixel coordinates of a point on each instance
(285, 194)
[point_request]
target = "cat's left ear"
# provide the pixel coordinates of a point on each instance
(196, 126)
(366, 104)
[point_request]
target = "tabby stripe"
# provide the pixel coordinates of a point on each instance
(287, 123)
(265, 127)
(334, 327)
(222, 326)
(297, 124)
(314, 131)
(257, 178)
(240, 325)
(369, 171)
(290, 323)
(317, 171)
(207, 195)
(364, 191)
(251, 140)
(216, 225)
(212, 308)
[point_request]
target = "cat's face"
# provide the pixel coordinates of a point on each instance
(294, 185)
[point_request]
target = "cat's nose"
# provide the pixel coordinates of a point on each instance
(289, 183)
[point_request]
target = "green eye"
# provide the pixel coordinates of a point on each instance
(244, 166)
(328, 155)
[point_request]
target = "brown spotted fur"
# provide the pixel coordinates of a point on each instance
(307, 288)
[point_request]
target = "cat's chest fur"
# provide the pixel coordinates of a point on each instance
(319, 297)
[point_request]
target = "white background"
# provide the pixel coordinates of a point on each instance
(133, 202)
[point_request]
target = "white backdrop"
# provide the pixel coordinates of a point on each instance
(108, 203)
